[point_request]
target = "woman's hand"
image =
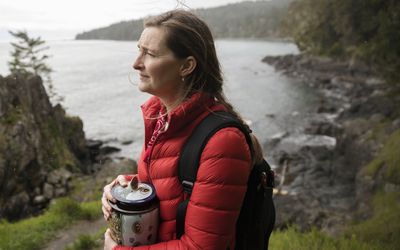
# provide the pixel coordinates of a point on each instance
(121, 180)
(109, 243)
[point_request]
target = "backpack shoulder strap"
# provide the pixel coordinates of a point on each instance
(191, 153)
(189, 159)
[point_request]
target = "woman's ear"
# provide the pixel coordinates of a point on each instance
(188, 66)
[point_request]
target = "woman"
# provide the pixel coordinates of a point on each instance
(178, 65)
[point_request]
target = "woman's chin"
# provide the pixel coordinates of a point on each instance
(144, 87)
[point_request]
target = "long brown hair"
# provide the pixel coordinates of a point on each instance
(188, 35)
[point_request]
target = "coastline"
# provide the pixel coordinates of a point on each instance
(321, 166)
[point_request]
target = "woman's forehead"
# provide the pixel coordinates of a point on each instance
(153, 38)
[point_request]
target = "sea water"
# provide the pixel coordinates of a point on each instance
(92, 77)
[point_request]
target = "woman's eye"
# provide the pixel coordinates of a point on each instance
(146, 52)
(150, 54)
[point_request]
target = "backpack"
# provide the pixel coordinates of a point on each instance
(257, 215)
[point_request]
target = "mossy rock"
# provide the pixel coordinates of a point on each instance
(13, 116)
(35, 138)
(387, 163)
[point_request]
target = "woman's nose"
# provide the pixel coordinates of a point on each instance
(138, 64)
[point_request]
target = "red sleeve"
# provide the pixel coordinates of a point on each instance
(217, 195)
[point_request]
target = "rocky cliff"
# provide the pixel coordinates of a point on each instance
(328, 168)
(40, 147)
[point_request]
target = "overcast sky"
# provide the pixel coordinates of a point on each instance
(54, 19)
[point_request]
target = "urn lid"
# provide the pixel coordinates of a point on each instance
(133, 199)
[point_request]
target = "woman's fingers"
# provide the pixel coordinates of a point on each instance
(107, 188)
(106, 213)
(107, 196)
(122, 180)
(107, 191)
(106, 208)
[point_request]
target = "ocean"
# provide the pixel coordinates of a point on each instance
(93, 79)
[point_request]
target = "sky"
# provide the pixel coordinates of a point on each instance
(63, 19)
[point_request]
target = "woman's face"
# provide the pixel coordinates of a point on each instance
(159, 69)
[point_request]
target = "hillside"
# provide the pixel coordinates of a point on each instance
(354, 30)
(259, 19)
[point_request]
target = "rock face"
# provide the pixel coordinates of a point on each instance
(316, 187)
(40, 147)
(319, 166)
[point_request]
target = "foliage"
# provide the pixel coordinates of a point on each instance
(28, 57)
(387, 160)
(292, 239)
(84, 242)
(367, 30)
(259, 19)
(383, 228)
(378, 232)
(126, 30)
(34, 232)
(88, 242)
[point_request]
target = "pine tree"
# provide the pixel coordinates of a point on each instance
(28, 57)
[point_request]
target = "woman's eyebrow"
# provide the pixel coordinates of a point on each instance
(147, 48)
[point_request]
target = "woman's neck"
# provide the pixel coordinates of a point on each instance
(171, 102)
(169, 105)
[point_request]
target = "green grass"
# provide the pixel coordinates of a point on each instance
(88, 242)
(388, 160)
(34, 232)
(378, 132)
(85, 188)
(383, 228)
(292, 239)
(84, 242)
(381, 231)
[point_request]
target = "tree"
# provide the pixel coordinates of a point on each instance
(367, 30)
(28, 57)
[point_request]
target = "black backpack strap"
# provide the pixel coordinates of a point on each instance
(180, 218)
(191, 153)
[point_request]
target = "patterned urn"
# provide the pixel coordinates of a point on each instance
(134, 219)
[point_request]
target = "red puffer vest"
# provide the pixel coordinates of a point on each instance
(220, 187)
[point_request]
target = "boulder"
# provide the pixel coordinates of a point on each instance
(39, 200)
(48, 191)
(294, 143)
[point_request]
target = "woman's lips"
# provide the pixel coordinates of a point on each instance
(143, 76)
